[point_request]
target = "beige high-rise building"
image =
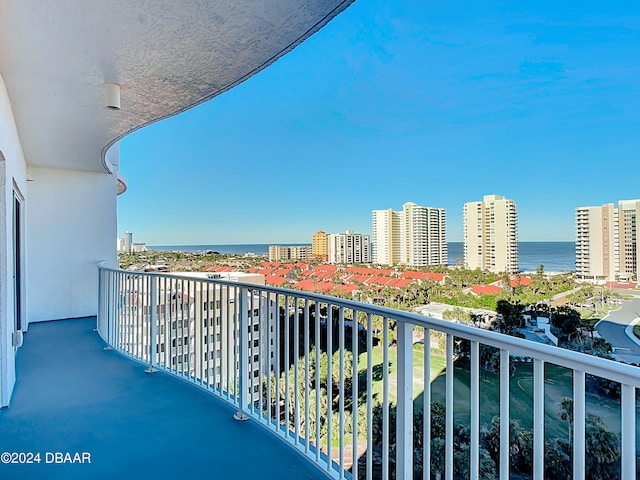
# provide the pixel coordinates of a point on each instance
(607, 246)
(320, 245)
(491, 235)
(284, 253)
(416, 236)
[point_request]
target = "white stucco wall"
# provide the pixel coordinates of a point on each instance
(12, 172)
(72, 226)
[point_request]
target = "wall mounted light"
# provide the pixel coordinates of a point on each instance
(112, 96)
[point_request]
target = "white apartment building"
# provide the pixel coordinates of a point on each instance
(425, 241)
(197, 326)
(385, 237)
(607, 246)
(349, 248)
(127, 242)
(416, 236)
(491, 234)
(281, 253)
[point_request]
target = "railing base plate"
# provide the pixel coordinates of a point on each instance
(241, 417)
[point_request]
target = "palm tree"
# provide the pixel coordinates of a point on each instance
(566, 414)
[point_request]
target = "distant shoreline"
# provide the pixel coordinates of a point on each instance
(555, 256)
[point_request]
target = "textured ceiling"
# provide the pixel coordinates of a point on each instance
(167, 56)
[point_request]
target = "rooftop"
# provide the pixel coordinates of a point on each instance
(131, 423)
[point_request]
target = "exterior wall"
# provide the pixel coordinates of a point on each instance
(491, 234)
(319, 245)
(424, 236)
(628, 216)
(473, 235)
(279, 253)
(606, 241)
(386, 234)
(72, 227)
(12, 177)
(197, 326)
(349, 248)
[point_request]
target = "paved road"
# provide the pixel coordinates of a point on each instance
(612, 329)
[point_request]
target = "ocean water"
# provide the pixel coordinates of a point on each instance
(555, 256)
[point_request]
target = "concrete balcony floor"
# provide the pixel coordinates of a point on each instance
(73, 396)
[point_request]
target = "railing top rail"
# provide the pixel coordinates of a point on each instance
(620, 372)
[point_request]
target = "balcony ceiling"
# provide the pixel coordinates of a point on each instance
(167, 56)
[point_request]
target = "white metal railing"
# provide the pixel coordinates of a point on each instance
(263, 349)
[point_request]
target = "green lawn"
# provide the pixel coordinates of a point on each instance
(437, 367)
(558, 384)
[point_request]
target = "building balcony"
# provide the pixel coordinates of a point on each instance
(420, 383)
(73, 396)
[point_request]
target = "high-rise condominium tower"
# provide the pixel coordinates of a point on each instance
(320, 246)
(491, 234)
(385, 237)
(607, 246)
(424, 242)
(416, 236)
(349, 248)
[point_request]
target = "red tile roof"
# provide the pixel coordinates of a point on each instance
(305, 284)
(621, 285)
(276, 281)
(517, 280)
(485, 289)
(400, 282)
(436, 277)
(281, 272)
(346, 288)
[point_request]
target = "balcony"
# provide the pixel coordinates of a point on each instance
(74, 396)
(311, 408)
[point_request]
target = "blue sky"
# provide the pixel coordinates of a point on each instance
(438, 103)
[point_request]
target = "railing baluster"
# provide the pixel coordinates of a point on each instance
(579, 417)
(538, 419)
(329, 385)
(385, 399)
(404, 412)
(287, 367)
(341, 428)
(230, 336)
(449, 400)
(318, 445)
(505, 456)
(629, 458)
(243, 354)
(369, 396)
(153, 338)
(475, 410)
(307, 433)
(355, 392)
(278, 344)
(426, 409)
(296, 380)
